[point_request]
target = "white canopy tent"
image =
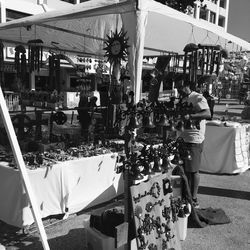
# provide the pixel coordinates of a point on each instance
(150, 26)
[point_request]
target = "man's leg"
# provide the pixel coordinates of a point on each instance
(192, 170)
(188, 174)
(195, 181)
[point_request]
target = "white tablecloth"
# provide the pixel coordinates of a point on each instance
(74, 184)
(226, 150)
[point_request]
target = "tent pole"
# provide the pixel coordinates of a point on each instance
(4, 113)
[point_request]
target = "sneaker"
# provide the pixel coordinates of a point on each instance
(196, 203)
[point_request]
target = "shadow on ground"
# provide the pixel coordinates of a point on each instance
(224, 192)
(222, 113)
(74, 240)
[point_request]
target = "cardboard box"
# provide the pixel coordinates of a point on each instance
(98, 241)
(95, 240)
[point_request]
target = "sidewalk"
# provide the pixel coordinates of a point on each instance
(234, 108)
(232, 194)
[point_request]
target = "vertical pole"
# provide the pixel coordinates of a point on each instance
(127, 184)
(197, 13)
(127, 208)
(217, 13)
(227, 13)
(32, 76)
(3, 11)
(21, 165)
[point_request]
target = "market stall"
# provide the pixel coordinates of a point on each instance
(226, 148)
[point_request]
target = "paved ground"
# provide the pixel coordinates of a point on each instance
(229, 192)
(232, 194)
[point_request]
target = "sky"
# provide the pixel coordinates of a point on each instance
(239, 19)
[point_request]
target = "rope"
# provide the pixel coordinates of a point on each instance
(207, 38)
(192, 37)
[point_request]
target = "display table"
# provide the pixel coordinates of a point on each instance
(67, 186)
(226, 150)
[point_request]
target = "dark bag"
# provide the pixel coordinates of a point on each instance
(200, 217)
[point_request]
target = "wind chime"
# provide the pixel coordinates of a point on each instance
(209, 59)
(202, 59)
(20, 61)
(35, 54)
(54, 71)
(190, 63)
(174, 64)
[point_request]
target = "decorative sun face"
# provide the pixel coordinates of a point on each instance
(116, 47)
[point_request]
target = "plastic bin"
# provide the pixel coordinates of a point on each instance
(181, 226)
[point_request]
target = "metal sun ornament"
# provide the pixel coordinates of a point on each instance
(116, 47)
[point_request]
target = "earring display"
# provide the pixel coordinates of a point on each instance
(155, 214)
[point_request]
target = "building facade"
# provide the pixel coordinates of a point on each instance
(213, 11)
(14, 9)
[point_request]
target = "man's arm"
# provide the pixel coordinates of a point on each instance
(202, 110)
(203, 114)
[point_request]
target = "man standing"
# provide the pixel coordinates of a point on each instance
(83, 112)
(154, 87)
(194, 136)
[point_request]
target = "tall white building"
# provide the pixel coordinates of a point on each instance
(213, 11)
(14, 9)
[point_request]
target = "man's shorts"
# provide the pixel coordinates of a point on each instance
(195, 150)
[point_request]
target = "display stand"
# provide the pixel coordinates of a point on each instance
(152, 209)
(148, 205)
(21, 165)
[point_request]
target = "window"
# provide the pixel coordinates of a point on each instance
(74, 1)
(212, 17)
(69, 1)
(195, 10)
(42, 2)
(223, 3)
(221, 21)
(203, 14)
(11, 15)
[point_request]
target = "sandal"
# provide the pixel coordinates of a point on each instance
(196, 203)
